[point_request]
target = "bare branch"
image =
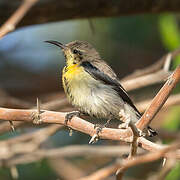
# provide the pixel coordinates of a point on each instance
(11, 23)
(171, 101)
(102, 173)
(152, 156)
(66, 169)
(159, 99)
(51, 105)
(166, 169)
(77, 124)
(33, 154)
(145, 80)
(127, 163)
(162, 62)
(153, 74)
(88, 128)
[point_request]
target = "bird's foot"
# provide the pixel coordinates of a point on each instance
(124, 117)
(125, 125)
(95, 137)
(141, 133)
(36, 118)
(68, 118)
(98, 128)
(70, 115)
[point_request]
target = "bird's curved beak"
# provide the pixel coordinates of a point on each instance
(62, 46)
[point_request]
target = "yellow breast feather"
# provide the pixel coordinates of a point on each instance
(72, 71)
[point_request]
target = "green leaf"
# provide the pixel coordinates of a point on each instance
(172, 121)
(169, 33)
(174, 173)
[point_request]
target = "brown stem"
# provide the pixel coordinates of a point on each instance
(11, 23)
(159, 99)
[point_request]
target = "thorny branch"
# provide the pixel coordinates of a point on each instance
(130, 84)
(158, 101)
(150, 75)
(136, 80)
(88, 128)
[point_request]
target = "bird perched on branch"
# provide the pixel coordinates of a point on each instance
(92, 86)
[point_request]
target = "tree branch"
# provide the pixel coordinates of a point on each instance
(70, 9)
(158, 65)
(88, 128)
(172, 101)
(77, 124)
(11, 23)
(159, 99)
(127, 163)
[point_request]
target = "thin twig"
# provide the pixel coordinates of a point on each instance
(30, 153)
(91, 25)
(155, 73)
(65, 169)
(30, 142)
(127, 163)
(170, 163)
(102, 173)
(145, 80)
(158, 65)
(133, 150)
(14, 172)
(11, 23)
(171, 101)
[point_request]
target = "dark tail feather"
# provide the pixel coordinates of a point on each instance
(151, 132)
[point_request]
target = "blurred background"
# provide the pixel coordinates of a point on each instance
(30, 68)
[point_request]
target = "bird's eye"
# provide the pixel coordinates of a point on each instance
(75, 51)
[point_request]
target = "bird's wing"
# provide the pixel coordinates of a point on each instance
(99, 74)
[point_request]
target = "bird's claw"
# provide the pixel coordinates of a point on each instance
(98, 128)
(95, 137)
(70, 115)
(124, 125)
(141, 133)
(36, 118)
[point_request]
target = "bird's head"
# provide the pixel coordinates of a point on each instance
(76, 52)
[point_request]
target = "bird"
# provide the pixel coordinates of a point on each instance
(92, 86)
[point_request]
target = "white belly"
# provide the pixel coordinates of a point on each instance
(94, 98)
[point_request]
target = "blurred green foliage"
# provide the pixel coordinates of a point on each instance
(172, 121)
(175, 173)
(36, 171)
(170, 35)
